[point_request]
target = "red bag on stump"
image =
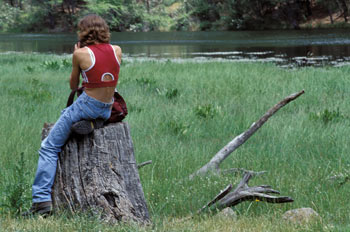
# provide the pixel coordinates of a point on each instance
(119, 109)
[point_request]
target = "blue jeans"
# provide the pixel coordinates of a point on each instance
(84, 107)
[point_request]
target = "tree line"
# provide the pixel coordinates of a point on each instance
(264, 14)
(167, 15)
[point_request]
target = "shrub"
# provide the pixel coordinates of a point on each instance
(172, 93)
(51, 65)
(168, 93)
(146, 81)
(206, 111)
(178, 127)
(327, 116)
(15, 190)
(29, 69)
(8, 16)
(66, 63)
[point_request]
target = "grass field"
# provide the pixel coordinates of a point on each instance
(180, 115)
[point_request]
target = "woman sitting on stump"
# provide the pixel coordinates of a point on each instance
(99, 64)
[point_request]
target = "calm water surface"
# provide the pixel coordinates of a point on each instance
(303, 47)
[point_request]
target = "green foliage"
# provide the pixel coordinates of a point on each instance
(56, 64)
(172, 93)
(120, 15)
(258, 15)
(36, 91)
(208, 12)
(152, 15)
(134, 108)
(66, 63)
(168, 93)
(16, 189)
(301, 156)
(154, 22)
(29, 69)
(146, 82)
(327, 116)
(207, 111)
(252, 14)
(182, 23)
(8, 16)
(178, 126)
(52, 65)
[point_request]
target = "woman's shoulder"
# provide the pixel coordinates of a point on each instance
(81, 51)
(117, 48)
(118, 52)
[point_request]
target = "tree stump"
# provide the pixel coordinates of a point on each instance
(98, 173)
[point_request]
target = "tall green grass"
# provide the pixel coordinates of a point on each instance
(180, 115)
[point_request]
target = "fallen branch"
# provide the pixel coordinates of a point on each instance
(222, 193)
(245, 193)
(214, 164)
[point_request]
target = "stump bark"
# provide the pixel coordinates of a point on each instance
(98, 173)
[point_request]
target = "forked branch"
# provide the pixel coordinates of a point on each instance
(245, 193)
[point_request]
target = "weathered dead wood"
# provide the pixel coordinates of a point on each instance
(222, 193)
(245, 193)
(214, 164)
(98, 173)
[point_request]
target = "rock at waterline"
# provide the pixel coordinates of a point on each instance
(227, 213)
(301, 215)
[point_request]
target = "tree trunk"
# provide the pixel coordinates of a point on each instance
(345, 11)
(330, 13)
(308, 8)
(292, 14)
(147, 6)
(98, 173)
(343, 7)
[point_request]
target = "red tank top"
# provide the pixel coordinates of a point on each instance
(105, 64)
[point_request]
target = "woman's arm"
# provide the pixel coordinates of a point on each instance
(118, 52)
(75, 75)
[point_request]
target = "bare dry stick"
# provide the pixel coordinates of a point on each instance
(144, 164)
(214, 164)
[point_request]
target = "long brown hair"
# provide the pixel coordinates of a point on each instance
(93, 29)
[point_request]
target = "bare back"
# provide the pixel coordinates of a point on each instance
(82, 59)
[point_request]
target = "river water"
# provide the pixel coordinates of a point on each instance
(285, 47)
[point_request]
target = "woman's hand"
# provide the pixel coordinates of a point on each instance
(74, 77)
(76, 46)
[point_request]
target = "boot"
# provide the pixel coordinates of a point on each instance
(40, 208)
(85, 127)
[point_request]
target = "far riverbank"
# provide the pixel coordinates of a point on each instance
(321, 47)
